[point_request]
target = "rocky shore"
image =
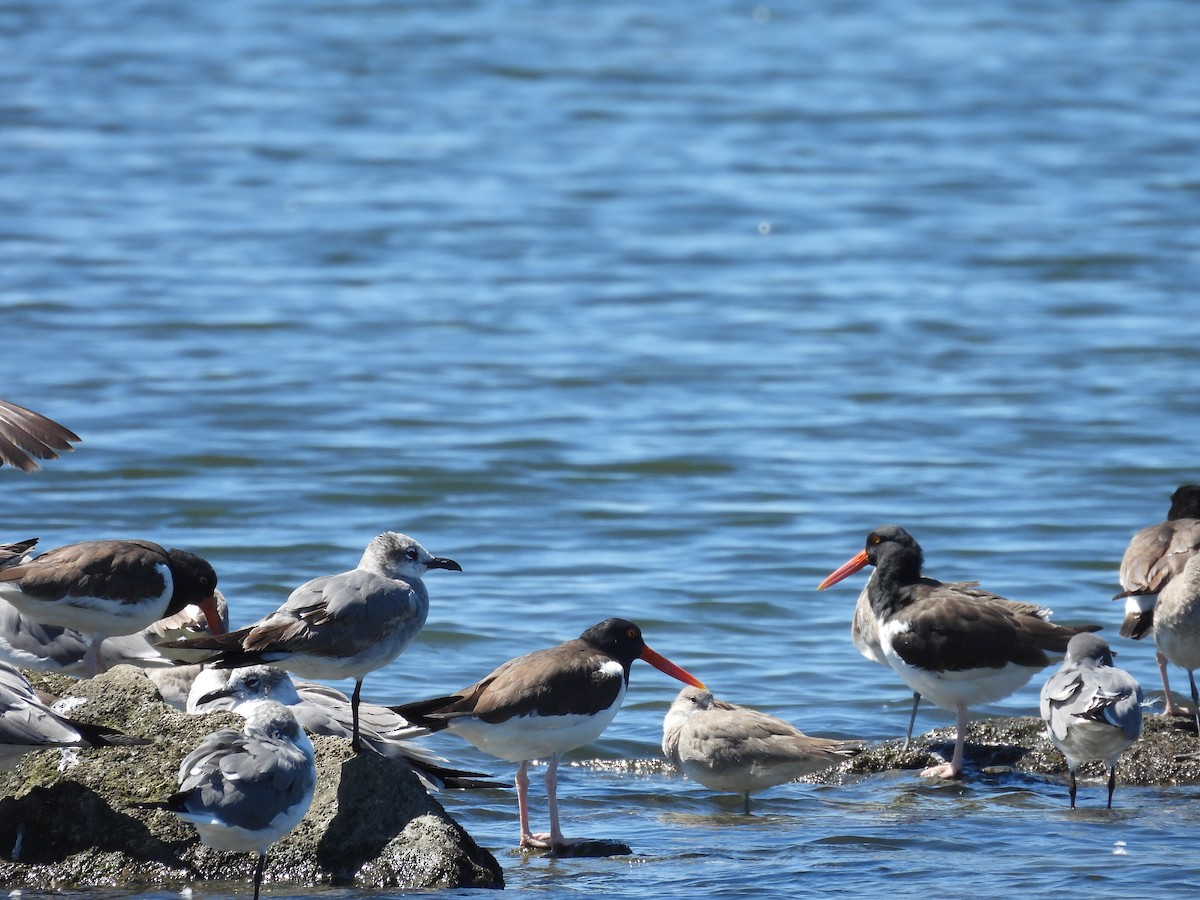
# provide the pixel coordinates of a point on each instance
(996, 746)
(68, 819)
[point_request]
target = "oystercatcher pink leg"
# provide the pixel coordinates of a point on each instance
(953, 643)
(543, 704)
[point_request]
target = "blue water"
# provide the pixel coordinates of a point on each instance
(634, 309)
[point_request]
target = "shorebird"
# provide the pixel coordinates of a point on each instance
(727, 747)
(546, 703)
(1177, 625)
(1155, 555)
(244, 790)
(955, 644)
(51, 648)
(323, 710)
(339, 626)
(864, 632)
(864, 629)
(109, 588)
(26, 436)
(1093, 710)
(27, 723)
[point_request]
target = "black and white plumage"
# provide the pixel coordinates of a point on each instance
(734, 748)
(953, 643)
(27, 436)
(323, 710)
(244, 790)
(1155, 555)
(51, 648)
(109, 588)
(340, 626)
(544, 704)
(28, 724)
(1092, 710)
(864, 628)
(1177, 625)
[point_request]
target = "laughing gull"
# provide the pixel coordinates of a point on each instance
(1093, 710)
(946, 641)
(26, 436)
(27, 724)
(109, 587)
(543, 704)
(1155, 555)
(244, 790)
(1177, 625)
(340, 626)
(322, 710)
(727, 747)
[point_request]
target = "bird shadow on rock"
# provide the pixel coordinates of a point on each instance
(52, 823)
(376, 799)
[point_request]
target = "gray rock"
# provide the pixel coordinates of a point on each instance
(1020, 744)
(68, 819)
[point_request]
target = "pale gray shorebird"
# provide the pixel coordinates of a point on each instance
(339, 626)
(544, 704)
(26, 437)
(1155, 555)
(244, 790)
(109, 588)
(323, 710)
(1177, 625)
(28, 724)
(736, 749)
(1092, 710)
(944, 640)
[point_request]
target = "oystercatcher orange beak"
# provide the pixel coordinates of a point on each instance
(849, 568)
(212, 615)
(667, 667)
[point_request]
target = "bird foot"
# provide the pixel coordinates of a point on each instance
(1174, 709)
(547, 841)
(945, 770)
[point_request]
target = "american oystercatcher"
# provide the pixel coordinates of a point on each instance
(954, 644)
(544, 704)
(109, 588)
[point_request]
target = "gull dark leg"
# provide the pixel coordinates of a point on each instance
(1112, 783)
(258, 873)
(1072, 783)
(355, 743)
(912, 719)
(1195, 699)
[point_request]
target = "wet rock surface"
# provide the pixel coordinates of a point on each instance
(1020, 744)
(68, 817)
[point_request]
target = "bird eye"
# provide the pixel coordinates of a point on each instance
(411, 553)
(874, 539)
(632, 632)
(252, 681)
